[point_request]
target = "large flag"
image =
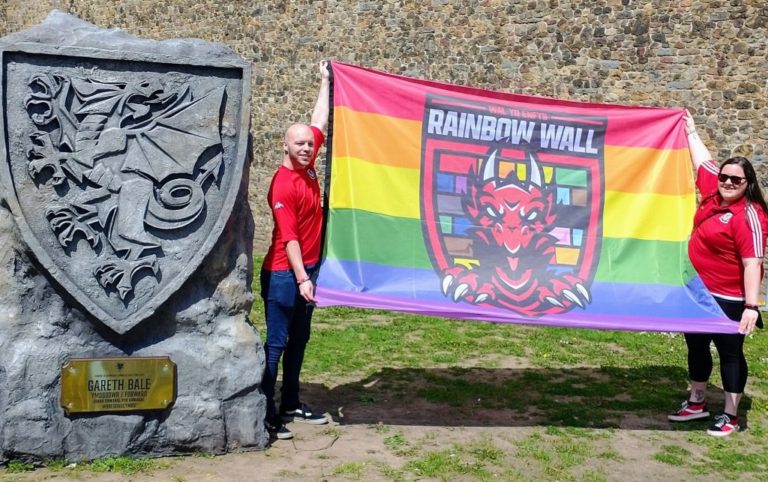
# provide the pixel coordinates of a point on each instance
(452, 201)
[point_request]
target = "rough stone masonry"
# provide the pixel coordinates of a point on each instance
(125, 231)
(707, 55)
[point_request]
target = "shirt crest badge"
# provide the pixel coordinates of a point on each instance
(726, 217)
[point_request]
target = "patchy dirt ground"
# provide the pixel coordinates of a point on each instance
(389, 427)
(375, 438)
(358, 452)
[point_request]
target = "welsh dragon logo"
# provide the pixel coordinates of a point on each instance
(505, 228)
(123, 173)
(514, 246)
(110, 142)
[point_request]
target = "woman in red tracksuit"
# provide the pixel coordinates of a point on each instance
(726, 248)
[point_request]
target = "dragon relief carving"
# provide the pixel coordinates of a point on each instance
(130, 161)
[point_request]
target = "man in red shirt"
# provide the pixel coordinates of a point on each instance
(287, 285)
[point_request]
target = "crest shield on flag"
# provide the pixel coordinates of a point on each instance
(512, 202)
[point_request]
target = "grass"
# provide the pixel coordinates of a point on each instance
(744, 454)
(483, 450)
(353, 470)
(17, 466)
(391, 473)
(673, 455)
(116, 464)
(395, 442)
(575, 389)
(548, 403)
(557, 452)
(448, 464)
(398, 444)
(204, 455)
(125, 465)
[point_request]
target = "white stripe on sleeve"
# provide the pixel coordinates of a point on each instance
(757, 230)
(711, 167)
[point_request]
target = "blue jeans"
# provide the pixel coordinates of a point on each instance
(288, 319)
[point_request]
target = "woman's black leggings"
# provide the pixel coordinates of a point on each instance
(733, 364)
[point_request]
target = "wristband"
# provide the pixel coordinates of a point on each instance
(752, 307)
(303, 280)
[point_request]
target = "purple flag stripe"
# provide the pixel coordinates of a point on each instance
(642, 322)
(422, 286)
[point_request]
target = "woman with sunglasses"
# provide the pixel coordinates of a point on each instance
(726, 248)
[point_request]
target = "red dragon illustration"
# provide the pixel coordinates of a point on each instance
(513, 244)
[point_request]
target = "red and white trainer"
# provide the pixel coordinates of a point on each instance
(724, 426)
(689, 411)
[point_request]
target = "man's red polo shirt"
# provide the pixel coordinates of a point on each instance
(724, 235)
(294, 198)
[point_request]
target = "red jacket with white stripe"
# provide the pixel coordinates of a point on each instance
(723, 235)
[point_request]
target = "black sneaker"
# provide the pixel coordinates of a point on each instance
(277, 429)
(724, 426)
(303, 414)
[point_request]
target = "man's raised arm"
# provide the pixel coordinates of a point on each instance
(322, 108)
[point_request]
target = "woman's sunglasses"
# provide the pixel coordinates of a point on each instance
(735, 180)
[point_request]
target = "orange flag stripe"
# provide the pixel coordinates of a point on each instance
(626, 169)
(394, 142)
(379, 139)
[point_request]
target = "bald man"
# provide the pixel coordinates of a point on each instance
(287, 285)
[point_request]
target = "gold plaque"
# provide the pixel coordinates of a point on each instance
(117, 384)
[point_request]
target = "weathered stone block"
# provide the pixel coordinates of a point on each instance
(202, 324)
(89, 438)
(748, 88)
(243, 431)
(197, 424)
(683, 85)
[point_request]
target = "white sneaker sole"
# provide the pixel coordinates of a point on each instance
(317, 421)
(717, 433)
(687, 418)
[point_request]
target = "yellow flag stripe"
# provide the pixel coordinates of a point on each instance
(648, 216)
(393, 191)
(377, 188)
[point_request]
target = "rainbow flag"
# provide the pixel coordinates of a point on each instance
(453, 201)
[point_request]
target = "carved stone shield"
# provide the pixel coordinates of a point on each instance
(512, 201)
(121, 166)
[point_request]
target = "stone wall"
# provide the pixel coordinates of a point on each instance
(710, 56)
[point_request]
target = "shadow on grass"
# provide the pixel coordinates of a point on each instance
(608, 397)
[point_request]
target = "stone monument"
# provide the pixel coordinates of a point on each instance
(125, 233)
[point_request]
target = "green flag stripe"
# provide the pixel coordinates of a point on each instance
(376, 238)
(397, 241)
(641, 261)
